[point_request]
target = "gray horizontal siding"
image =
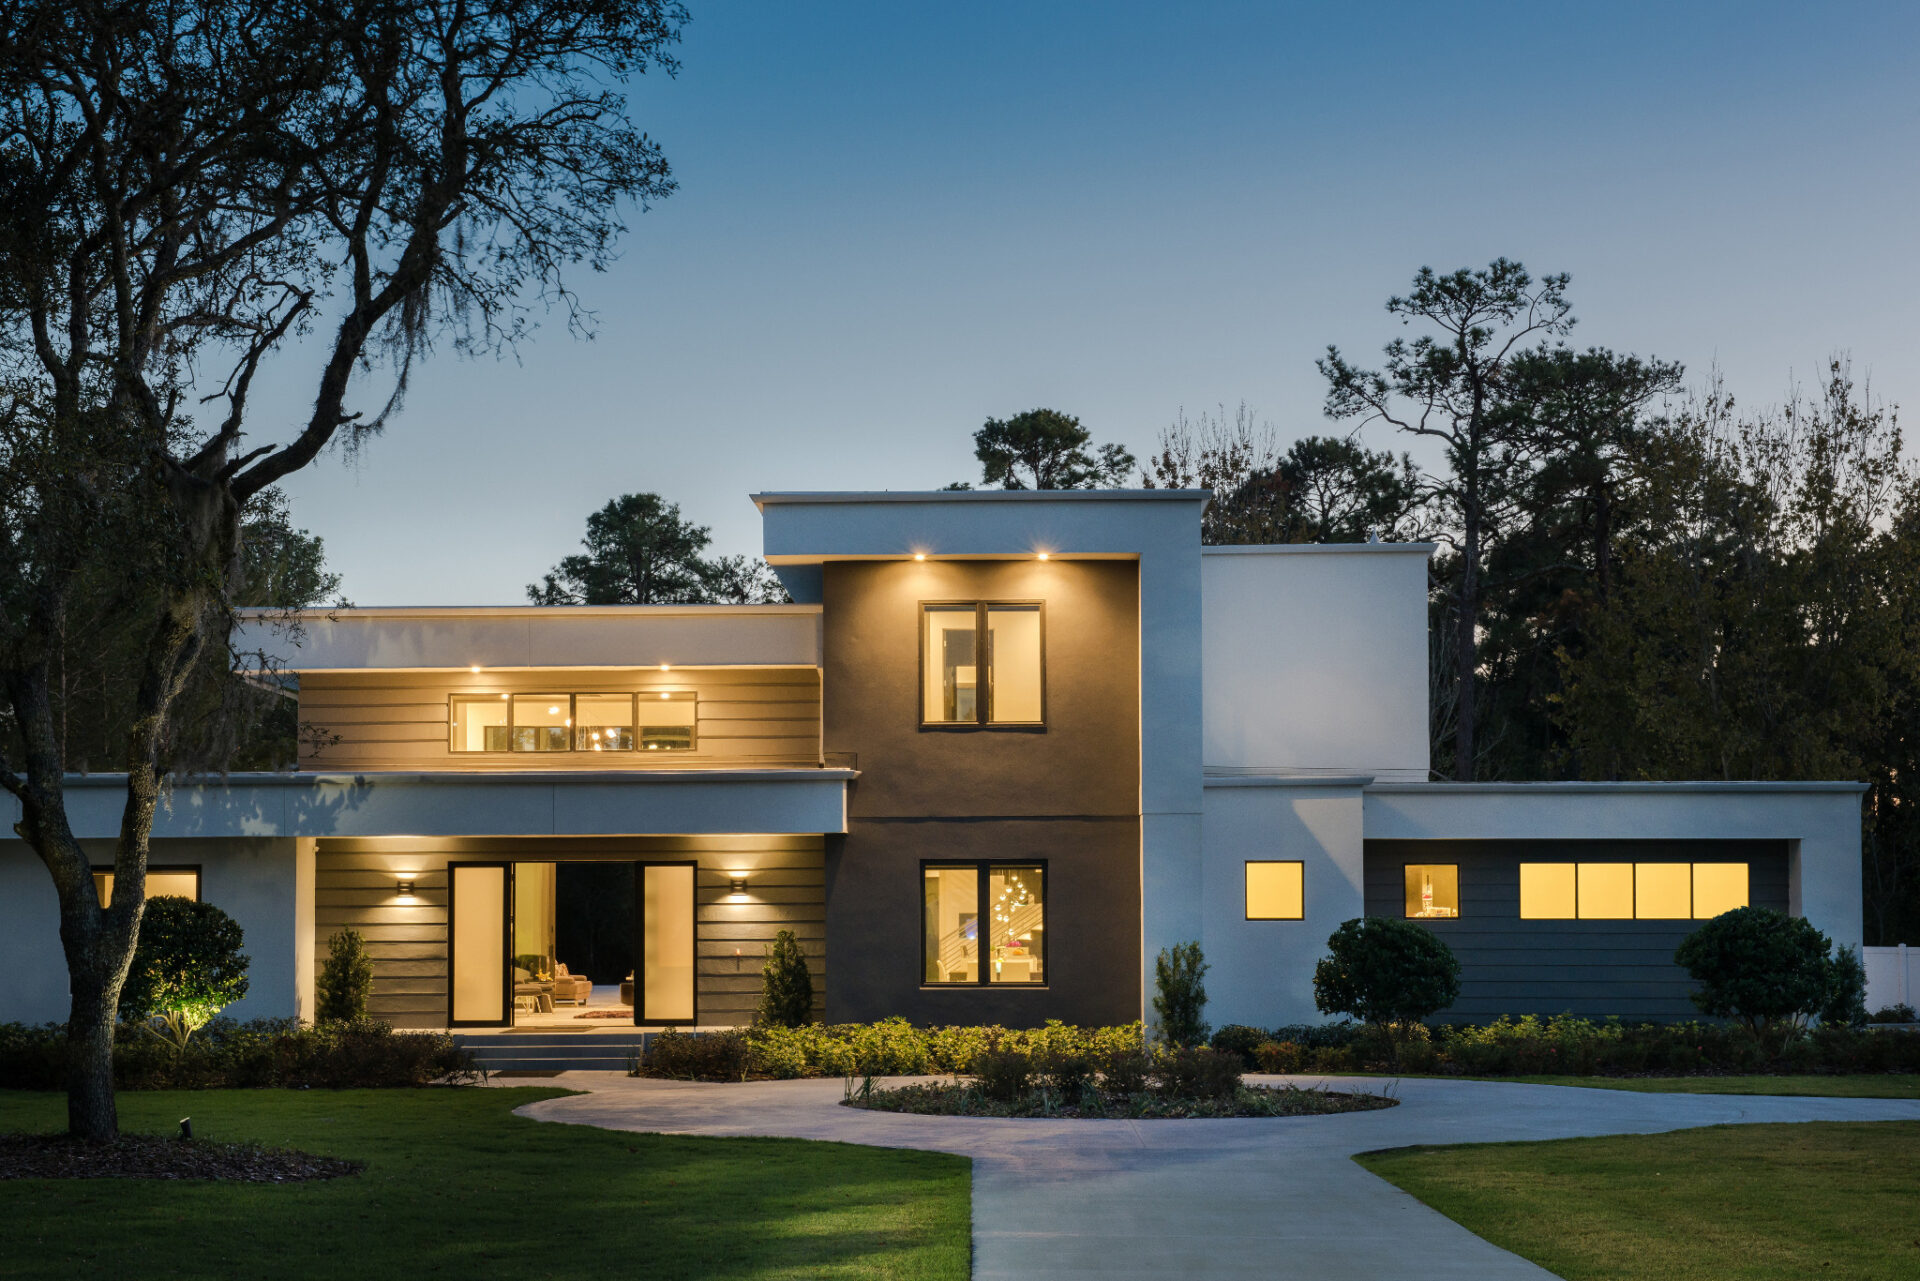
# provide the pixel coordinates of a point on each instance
(354, 886)
(1592, 968)
(398, 720)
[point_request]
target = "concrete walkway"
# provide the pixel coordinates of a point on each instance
(1268, 1198)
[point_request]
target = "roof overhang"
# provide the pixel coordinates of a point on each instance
(529, 803)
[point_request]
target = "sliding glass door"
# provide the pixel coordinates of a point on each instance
(477, 944)
(664, 912)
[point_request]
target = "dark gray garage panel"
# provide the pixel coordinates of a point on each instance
(1590, 968)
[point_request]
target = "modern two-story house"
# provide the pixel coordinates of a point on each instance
(1003, 749)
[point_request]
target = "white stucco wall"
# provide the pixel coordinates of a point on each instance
(1314, 659)
(252, 880)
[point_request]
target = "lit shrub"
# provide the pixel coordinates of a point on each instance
(345, 980)
(187, 967)
(1281, 1058)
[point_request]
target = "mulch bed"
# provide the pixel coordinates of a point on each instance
(149, 1156)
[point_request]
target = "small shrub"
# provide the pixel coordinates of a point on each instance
(1238, 1038)
(257, 1054)
(187, 967)
(1003, 1075)
(1180, 996)
(1197, 1073)
(1282, 1058)
(1387, 972)
(345, 979)
(786, 992)
(1124, 1070)
(1314, 1036)
(698, 1056)
(1846, 999)
(1763, 968)
(1901, 1013)
(1065, 1072)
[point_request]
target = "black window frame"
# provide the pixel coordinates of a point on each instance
(1246, 904)
(982, 707)
(983, 875)
(633, 697)
(1459, 912)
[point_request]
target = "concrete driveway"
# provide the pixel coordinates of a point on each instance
(1269, 1198)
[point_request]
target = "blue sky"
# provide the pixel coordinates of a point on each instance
(896, 219)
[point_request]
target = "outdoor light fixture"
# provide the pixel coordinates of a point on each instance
(475, 669)
(1043, 555)
(666, 667)
(919, 555)
(406, 887)
(738, 886)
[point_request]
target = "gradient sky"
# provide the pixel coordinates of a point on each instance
(895, 220)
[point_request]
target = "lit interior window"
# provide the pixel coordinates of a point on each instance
(1547, 892)
(603, 722)
(952, 671)
(1663, 891)
(1276, 891)
(1606, 891)
(950, 918)
(667, 721)
(162, 882)
(479, 724)
(541, 722)
(1013, 664)
(1433, 890)
(1016, 909)
(1717, 888)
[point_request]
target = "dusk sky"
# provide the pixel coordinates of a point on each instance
(895, 220)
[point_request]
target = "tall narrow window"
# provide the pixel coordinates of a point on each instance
(982, 664)
(952, 670)
(1433, 891)
(983, 923)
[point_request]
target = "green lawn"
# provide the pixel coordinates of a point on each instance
(1731, 1203)
(1883, 1085)
(456, 1186)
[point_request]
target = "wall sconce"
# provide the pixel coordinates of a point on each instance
(406, 887)
(737, 887)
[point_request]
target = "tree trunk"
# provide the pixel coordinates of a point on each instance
(1466, 656)
(91, 1111)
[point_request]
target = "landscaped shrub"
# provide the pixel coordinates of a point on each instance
(1124, 1071)
(1901, 1013)
(1003, 1075)
(786, 993)
(698, 1056)
(1763, 968)
(1316, 1036)
(1386, 972)
(1282, 1058)
(345, 979)
(1846, 1000)
(260, 1053)
(1180, 996)
(1196, 1073)
(187, 967)
(1065, 1072)
(1238, 1038)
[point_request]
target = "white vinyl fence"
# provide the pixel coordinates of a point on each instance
(1893, 975)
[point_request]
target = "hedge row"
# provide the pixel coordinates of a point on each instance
(1572, 1046)
(227, 1054)
(892, 1047)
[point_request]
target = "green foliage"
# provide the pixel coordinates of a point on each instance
(699, 1056)
(256, 1054)
(1197, 1073)
(895, 1047)
(1003, 1075)
(1046, 449)
(786, 992)
(641, 551)
(1846, 1000)
(1761, 967)
(1238, 1038)
(345, 979)
(187, 967)
(1385, 971)
(1180, 995)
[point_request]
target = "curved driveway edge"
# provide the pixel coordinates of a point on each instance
(1249, 1197)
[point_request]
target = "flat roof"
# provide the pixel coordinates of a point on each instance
(1314, 549)
(852, 496)
(556, 612)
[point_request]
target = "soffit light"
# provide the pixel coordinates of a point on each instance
(1043, 556)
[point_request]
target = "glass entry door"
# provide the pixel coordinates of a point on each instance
(663, 991)
(477, 930)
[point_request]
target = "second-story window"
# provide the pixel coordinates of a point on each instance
(653, 721)
(981, 663)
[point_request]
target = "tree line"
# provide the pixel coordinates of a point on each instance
(1636, 579)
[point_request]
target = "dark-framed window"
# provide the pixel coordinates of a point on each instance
(983, 663)
(1433, 891)
(983, 924)
(1276, 890)
(178, 880)
(650, 721)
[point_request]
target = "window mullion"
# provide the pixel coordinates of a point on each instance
(981, 878)
(983, 669)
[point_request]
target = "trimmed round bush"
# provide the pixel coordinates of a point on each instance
(187, 967)
(1385, 972)
(1760, 967)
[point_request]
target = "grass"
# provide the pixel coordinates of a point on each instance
(1731, 1203)
(1866, 1085)
(456, 1186)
